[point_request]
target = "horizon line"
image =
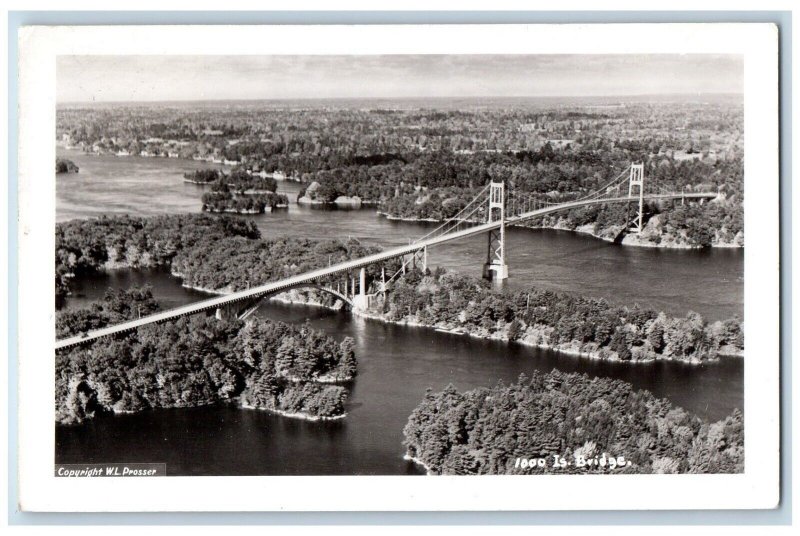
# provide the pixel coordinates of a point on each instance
(416, 97)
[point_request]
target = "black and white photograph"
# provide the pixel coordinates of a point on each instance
(413, 265)
(382, 284)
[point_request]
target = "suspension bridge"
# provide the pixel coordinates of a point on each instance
(490, 212)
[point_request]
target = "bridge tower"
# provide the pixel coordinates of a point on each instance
(637, 179)
(496, 268)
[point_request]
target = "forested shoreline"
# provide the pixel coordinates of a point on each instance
(90, 246)
(666, 224)
(585, 327)
(582, 326)
(434, 188)
(573, 423)
(223, 255)
(550, 175)
(216, 253)
(197, 360)
(425, 163)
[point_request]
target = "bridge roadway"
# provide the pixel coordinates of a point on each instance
(283, 285)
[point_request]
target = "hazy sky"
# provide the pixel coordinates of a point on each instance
(155, 78)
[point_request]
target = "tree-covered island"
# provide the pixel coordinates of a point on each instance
(238, 192)
(84, 247)
(567, 423)
(64, 165)
(237, 180)
(435, 187)
(576, 325)
(243, 203)
(195, 361)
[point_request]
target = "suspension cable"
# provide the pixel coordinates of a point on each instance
(457, 216)
(602, 189)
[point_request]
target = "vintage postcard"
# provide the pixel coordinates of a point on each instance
(398, 267)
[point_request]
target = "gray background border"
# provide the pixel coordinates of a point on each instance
(780, 516)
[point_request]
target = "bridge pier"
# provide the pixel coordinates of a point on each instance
(361, 300)
(495, 272)
(226, 312)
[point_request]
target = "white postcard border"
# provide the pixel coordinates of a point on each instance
(39, 490)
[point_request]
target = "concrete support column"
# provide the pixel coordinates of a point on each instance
(361, 300)
(495, 271)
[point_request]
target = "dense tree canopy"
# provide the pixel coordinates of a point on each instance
(426, 162)
(236, 263)
(570, 416)
(589, 326)
(197, 360)
(242, 203)
(87, 246)
(215, 253)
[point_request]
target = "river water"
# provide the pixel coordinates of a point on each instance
(396, 363)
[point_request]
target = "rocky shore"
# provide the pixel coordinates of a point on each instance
(534, 336)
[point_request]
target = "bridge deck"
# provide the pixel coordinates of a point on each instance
(277, 287)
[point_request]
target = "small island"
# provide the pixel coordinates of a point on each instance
(202, 176)
(238, 180)
(243, 203)
(238, 192)
(64, 165)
